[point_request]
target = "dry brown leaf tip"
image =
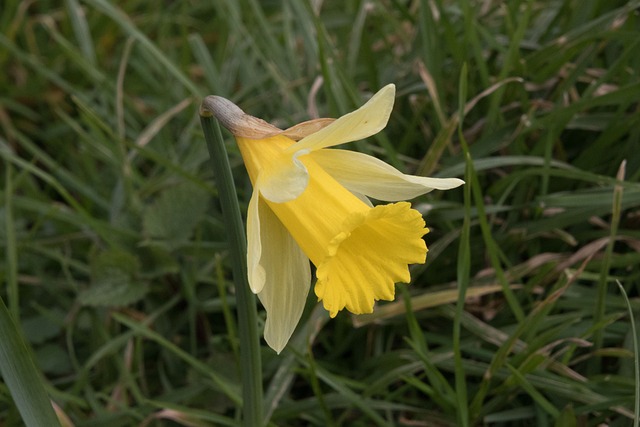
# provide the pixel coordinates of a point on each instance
(244, 125)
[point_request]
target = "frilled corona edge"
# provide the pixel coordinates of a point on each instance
(244, 125)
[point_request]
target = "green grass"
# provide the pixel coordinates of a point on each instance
(115, 260)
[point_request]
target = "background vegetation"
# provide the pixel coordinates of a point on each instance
(114, 252)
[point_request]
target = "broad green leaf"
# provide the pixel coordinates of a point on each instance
(175, 213)
(113, 281)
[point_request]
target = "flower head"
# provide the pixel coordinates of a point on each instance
(311, 202)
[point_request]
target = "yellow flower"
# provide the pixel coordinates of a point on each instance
(310, 202)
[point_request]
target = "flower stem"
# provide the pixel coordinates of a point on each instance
(250, 362)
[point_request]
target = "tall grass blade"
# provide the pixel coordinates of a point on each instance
(22, 376)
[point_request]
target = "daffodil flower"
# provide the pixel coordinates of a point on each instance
(311, 202)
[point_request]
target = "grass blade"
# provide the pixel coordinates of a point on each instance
(22, 376)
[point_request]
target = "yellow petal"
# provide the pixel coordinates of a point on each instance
(255, 270)
(282, 176)
(367, 120)
(284, 179)
(369, 256)
(317, 216)
(374, 178)
(288, 277)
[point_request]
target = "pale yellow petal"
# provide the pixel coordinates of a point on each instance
(368, 175)
(255, 271)
(284, 178)
(288, 278)
(367, 120)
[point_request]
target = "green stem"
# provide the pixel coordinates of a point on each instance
(250, 362)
